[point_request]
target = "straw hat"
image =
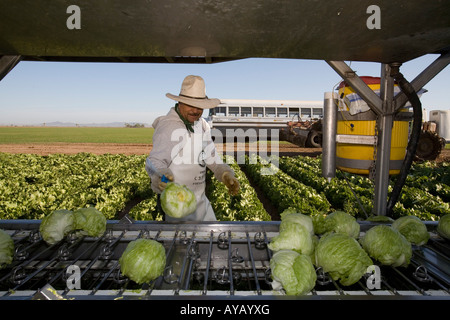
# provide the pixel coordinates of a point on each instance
(193, 93)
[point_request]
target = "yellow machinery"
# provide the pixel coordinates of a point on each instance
(356, 143)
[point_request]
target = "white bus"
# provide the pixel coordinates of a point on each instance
(262, 114)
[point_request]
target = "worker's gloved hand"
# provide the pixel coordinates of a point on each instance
(157, 185)
(231, 182)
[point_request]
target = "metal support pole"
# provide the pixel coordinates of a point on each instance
(329, 136)
(384, 125)
(361, 88)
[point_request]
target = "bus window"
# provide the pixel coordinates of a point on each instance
(220, 111)
(258, 112)
(246, 111)
(293, 112)
(306, 113)
(317, 112)
(270, 112)
(233, 111)
(282, 112)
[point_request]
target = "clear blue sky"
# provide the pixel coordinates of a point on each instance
(37, 92)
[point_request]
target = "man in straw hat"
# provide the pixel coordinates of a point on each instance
(183, 149)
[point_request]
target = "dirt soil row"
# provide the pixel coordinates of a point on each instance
(128, 149)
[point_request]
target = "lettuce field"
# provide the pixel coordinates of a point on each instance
(32, 186)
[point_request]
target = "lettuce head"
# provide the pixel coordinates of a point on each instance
(443, 227)
(342, 257)
(288, 217)
(55, 226)
(6, 249)
(292, 271)
(143, 260)
(413, 229)
(342, 222)
(387, 245)
(177, 200)
(90, 221)
(294, 236)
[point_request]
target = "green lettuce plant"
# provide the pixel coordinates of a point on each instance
(292, 271)
(178, 200)
(342, 257)
(413, 229)
(55, 226)
(387, 245)
(443, 227)
(143, 260)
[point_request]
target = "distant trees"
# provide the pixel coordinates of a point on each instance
(134, 125)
